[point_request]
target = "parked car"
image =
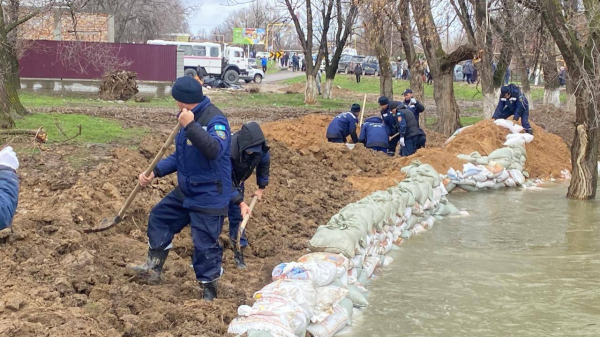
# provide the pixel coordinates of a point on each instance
(348, 62)
(458, 74)
(371, 66)
(255, 73)
(344, 60)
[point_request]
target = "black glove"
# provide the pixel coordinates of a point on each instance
(516, 119)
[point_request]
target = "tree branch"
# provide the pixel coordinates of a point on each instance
(462, 53)
(22, 20)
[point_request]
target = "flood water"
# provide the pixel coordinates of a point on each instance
(524, 263)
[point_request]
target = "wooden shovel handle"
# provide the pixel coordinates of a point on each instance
(148, 171)
(245, 221)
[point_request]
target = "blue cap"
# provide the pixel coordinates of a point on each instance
(187, 90)
(407, 91)
(383, 100)
(355, 108)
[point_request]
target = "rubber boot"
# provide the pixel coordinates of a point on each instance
(529, 131)
(153, 266)
(239, 258)
(209, 290)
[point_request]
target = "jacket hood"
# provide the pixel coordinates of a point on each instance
(250, 135)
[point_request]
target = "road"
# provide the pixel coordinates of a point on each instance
(282, 75)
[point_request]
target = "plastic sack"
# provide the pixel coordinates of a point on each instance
(370, 264)
(502, 176)
(501, 153)
(281, 307)
(528, 138)
(347, 304)
(358, 297)
(335, 240)
(320, 272)
(514, 128)
(486, 184)
(333, 323)
(517, 176)
(469, 188)
(271, 324)
(470, 170)
(515, 141)
(337, 259)
(510, 182)
(327, 297)
(385, 260)
(303, 293)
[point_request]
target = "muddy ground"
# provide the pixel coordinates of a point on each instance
(57, 281)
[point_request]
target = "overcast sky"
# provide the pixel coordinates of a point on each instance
(211, 13)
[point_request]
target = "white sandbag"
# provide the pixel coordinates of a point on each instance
(467, 181)
(501, 153)
(510, 182)
(333, 323)
(358, 297)
(452, 209)
(370, 264)
(327, 297)
(450, 187)
(482, 160)
(470, 170)
(357, 261)
(514, 128)
(320, 272)
(429, 174)
(515, 141)
(452, 174)
(485, 184)
(515, 165)
(347, 304)
(481, 176)
(502, 176)
(498, 186)
(303, 293)
(385, 260)
(406, 234)
(468, 188)
(271, 324)
(363, 278)
(517, 176)
(281, 307)
(337, 259)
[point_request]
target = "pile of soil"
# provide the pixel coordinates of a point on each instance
(58, 281)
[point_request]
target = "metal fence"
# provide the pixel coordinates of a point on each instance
(88, 60)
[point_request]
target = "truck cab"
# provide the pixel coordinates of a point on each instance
(208, 58)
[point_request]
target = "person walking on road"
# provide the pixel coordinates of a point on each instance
(358, 70)
(263, 62)
(202, 161)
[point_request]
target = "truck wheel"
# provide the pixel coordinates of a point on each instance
(231, 76)
(257, 78)
(190, 72)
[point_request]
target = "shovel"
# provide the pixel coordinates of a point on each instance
(245, 222)
(110, 222)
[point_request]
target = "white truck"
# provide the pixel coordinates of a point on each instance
(209, 58)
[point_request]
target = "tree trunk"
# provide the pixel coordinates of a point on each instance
(310, 94)
(551, 81)
(328, 89)
(9, 75)
(443, 93)
(376, 33)
(484, 42)
(414, 65)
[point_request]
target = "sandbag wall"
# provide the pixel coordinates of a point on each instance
(502, 168)
(318, 292)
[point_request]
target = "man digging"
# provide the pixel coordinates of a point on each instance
(202, 162)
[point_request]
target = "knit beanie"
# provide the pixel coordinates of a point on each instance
(187, 90)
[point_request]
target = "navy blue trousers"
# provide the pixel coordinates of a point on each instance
(335, 140)
(410, 146)
(169, 217)
(378, 148)
(235, 218)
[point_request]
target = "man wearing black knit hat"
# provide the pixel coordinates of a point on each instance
(202, 161)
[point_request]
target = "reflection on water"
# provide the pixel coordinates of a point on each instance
(524, 263)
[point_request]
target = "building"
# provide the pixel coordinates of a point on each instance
(59, 25)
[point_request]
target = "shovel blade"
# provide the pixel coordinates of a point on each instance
(105, 224)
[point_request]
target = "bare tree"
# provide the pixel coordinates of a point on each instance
(374, 24)
(345, 20)
(12, 16)
(415, 67)
(307, 39)
(578, 39)
(441, 66)
(551, 81)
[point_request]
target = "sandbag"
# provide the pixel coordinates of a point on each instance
(370, 264)
(510, 182)
(278, 306)
(517, 176)
(485, 184)
(271, 324)
(429, 174)
(470, 170)
(303, 293)
(501, 153)
(333, 323)
(468, 188)
(337, 259)
(514, 128)
(334, 240)
(358, 298)
(347, 304)
(320, 272)
(327, 297)
(452, 209)
(502, 176)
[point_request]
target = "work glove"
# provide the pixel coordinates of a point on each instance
(413, 101)
(402, 141)
(8, 157)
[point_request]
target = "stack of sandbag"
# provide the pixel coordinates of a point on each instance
(318, 292)
(504, 167)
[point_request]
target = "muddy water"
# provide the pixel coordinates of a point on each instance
(524, 263)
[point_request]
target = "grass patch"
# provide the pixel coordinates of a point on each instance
(370, 85)
(93, 129)
(287, 100)
(465, 121)
(32, 100)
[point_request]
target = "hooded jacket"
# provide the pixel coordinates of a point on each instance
(516, 105)
(9, 195)
(342, 126)
(373, 133)
(243, 164)
(407, 121)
